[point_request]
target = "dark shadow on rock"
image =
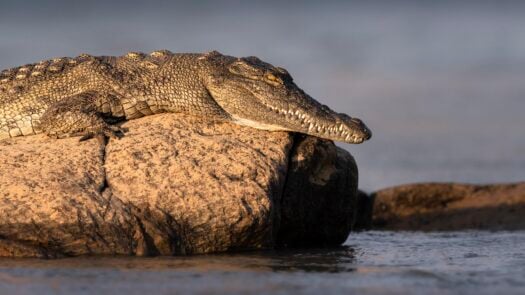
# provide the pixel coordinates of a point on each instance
(365, 206)
(318, 206)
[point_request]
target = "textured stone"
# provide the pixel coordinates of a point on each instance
(172, 185)
(450, 206)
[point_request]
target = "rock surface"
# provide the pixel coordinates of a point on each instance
(173, 185)
(442, 206)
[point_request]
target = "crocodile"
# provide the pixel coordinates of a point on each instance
(86, 95)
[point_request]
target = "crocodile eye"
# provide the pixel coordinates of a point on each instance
(242, 68)
(272, 79)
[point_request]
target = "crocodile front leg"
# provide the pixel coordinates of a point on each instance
(80, 115)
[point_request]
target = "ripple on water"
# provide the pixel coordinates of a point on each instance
(469, 262)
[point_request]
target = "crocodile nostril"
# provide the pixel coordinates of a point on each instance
(357, 121)
(368, 134)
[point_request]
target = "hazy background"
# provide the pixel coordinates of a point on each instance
(440, 83)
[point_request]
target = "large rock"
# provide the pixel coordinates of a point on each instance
(173, 185)
(449, 206)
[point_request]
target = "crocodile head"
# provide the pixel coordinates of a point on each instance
(259, 95)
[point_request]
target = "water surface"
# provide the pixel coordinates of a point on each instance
(469, 262)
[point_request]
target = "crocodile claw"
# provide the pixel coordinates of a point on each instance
(109, 131)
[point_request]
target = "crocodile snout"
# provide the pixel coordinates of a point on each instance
(367, 133)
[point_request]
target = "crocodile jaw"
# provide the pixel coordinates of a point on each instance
(346, 129)
(308, 117)
(295, 112)
(326, 124)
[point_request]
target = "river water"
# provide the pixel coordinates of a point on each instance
(469, 262)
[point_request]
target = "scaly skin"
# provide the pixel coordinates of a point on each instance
(81, 96)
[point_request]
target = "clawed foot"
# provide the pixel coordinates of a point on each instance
(109, 131)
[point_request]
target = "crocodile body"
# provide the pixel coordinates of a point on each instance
(82, 96)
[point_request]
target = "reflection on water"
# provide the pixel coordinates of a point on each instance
(469, 262)
(333, 260)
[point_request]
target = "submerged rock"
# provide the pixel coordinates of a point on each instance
(450, 206)
(173, 185)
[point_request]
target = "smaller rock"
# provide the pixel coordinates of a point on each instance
(435, 206)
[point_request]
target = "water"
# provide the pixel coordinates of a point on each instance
(470, 262)
(439, 82)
